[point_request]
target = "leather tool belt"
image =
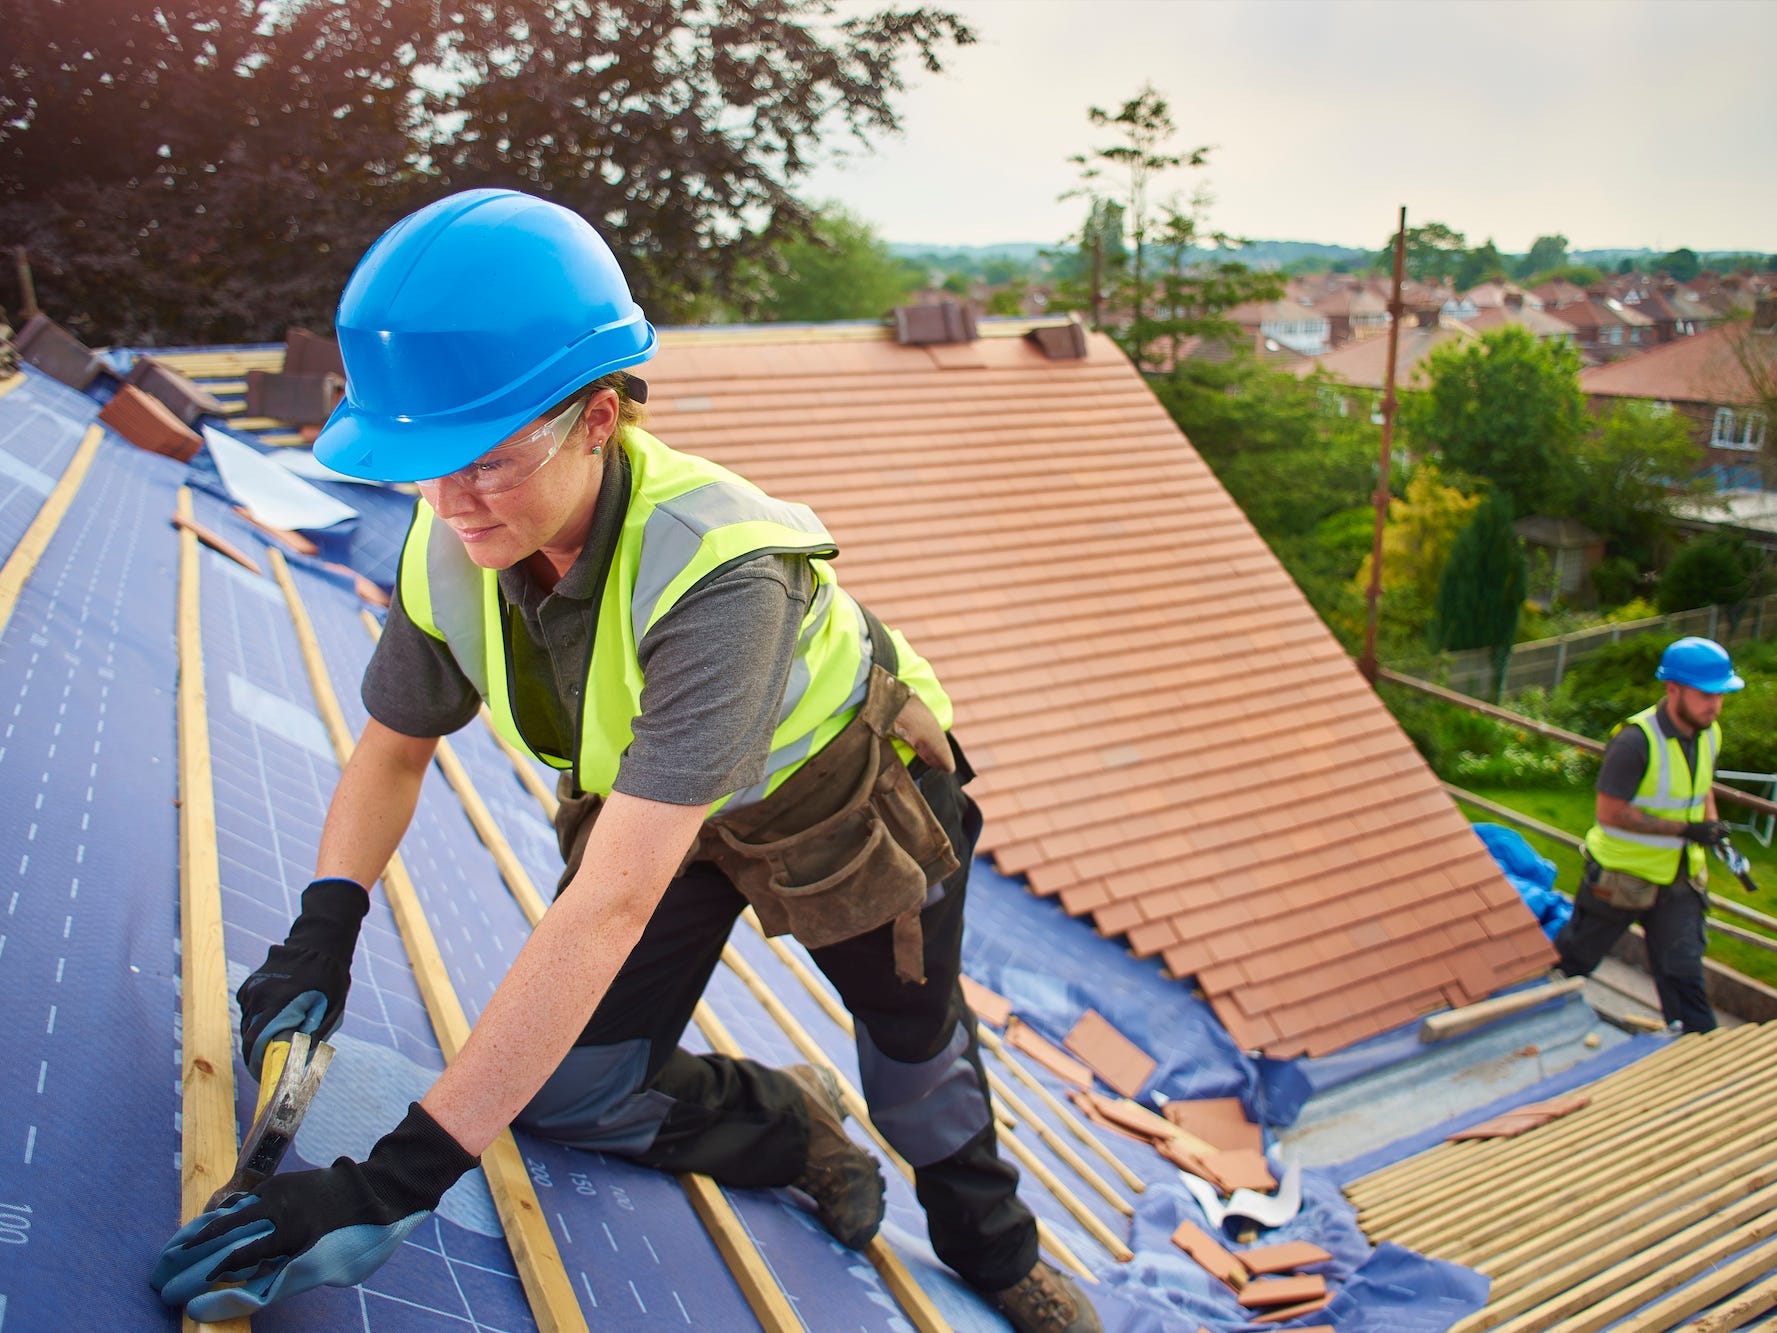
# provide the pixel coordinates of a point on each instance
(1620, 889)
(844, 845)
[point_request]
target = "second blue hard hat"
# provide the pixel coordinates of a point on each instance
(1703, 664)
(465, 321)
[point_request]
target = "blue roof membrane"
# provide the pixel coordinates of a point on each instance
(88, 661)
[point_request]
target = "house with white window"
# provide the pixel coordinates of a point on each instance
(1301, 328)
(1721, 380)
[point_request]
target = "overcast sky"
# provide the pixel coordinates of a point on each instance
(1620, 123)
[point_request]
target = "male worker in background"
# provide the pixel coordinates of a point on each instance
(1645, 857)
(731, 727)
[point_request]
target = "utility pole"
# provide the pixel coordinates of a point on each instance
(1367, 663)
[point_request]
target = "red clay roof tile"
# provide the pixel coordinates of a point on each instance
(1192, 753)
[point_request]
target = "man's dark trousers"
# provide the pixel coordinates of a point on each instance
(629, 1089)
(1675, 941)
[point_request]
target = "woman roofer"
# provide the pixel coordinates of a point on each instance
(731, 727)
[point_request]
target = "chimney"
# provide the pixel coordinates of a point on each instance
(1764, 313)
(939, 322)
(1060, 342)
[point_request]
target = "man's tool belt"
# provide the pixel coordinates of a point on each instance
(846, 844)
(1621, 890)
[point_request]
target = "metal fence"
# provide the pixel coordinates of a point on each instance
(1543, 662)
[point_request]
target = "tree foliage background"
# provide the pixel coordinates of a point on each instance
(208, 170)
(1507, 408)
(1481, 591)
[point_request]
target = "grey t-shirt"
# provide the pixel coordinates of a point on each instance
(714, 670)
(1625, 756)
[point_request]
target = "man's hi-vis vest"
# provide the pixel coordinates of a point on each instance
(1669, 791)
(688, 520)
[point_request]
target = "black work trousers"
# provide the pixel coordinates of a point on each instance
(630, 1089)
(1675, 942)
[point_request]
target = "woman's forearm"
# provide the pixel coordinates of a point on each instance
(373, 804)
(564, 969)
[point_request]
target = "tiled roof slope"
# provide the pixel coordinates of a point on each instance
(1703, 368)
(1169, 739)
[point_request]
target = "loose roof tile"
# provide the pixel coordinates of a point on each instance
(1194, 744)
(1266, 1292)
(1210, 1253)
(1111, 1056)
(1284, 1258)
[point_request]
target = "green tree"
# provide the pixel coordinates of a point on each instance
(1145, 125)
(1422, 528)
(1194, 293)
(1712, 571)
(1625, 265)
(1629, 468)
(1084, 278)
(1507, 408)
(841, 271)
(1681, 264)
(1545, 253)
(1481, 591)
(1434, 252)
(202, 170)
(1483, 264)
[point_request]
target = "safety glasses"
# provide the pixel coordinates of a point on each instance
(512, 464)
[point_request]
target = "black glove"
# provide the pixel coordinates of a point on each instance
(1709, 832)
(302, 985)
(335, 1226)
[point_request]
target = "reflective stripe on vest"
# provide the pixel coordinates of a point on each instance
(1668, 789)
(688, 520)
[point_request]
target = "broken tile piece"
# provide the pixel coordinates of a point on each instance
(1123, 1065)
(990, 1007)
(1241, 1170)
(1046, 1053)
(294, 540)
(1088, 1107)
(1219, 1121)
(1210, 1253)
(220, 545)
(1263, 1293)
(1137, 1119)
(1284, 1258)
(1523, 1119)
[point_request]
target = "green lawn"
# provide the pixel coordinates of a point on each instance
(1571, 810)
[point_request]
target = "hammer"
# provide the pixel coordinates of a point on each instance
(289, 1078)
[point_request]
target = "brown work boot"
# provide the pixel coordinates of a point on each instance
(1045, 1301)
(840, 1177)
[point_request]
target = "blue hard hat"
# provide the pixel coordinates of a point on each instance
(467, 320)
(1700, 663)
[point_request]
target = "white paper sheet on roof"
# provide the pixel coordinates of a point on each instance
(272, 493)
(303, 463)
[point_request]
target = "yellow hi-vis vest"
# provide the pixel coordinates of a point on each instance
(688, 520)
(1668, 790)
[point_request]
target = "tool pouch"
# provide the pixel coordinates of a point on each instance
(844, 845)
(1623, 891)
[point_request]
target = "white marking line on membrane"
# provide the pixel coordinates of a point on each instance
(564, 1228)
(587, 1283)
(30, 1144)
